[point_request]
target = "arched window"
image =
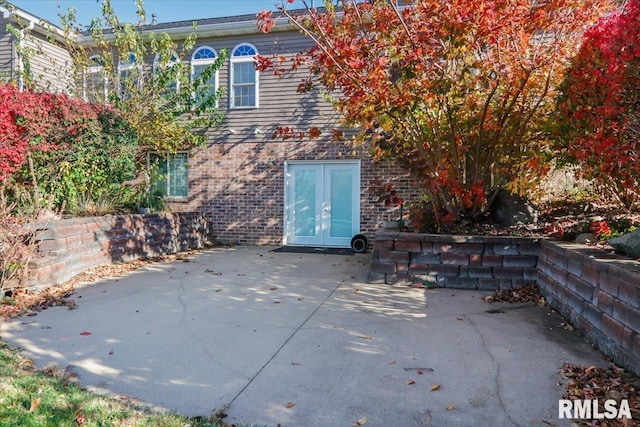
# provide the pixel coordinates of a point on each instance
(244, 77)
(95, 89)
(201, 59)
(129, 75)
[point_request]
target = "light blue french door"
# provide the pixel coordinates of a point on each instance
(322, 203)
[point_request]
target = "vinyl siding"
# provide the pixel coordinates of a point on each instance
(6, 52)
(51, 68)
(279, 102)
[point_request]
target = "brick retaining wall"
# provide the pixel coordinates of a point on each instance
(69, 246)
(598, 292)
(467, 262)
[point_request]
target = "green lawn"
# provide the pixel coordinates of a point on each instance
(34, 398)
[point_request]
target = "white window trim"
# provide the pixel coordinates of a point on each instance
(95, 69)
(127, 66)
(166, 184)
(243, 59)
(172, 63)
(205, 62)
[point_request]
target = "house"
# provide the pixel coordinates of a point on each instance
(256, 189)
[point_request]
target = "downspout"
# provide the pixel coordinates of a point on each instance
(29, 27)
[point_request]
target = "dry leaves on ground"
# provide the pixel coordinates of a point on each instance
(602, 384)
(23, 301)
(529, 293)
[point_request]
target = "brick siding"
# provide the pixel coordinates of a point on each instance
(240, 186)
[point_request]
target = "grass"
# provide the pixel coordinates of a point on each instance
(35, 398)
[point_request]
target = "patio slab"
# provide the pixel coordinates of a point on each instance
(301, 340)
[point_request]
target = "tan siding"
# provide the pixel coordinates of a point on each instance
(51, 68)
(279, 102)
(6, 52)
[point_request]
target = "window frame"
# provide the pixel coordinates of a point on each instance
(206, 62)
(128, 65)
(173, 62)
(166, 185)
(243, 59)
(97, 68)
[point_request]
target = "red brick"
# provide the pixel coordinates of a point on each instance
(475, 259)
(524, 261)
(629, 292)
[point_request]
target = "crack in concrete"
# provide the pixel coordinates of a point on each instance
(496, 378)
(287, 341)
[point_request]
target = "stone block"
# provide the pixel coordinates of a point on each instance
(450, 258)
(460, 283)
(626, 314)
(612, 328)
(492, 260)
(394, 256)
(525, 261)
(480, 272)
(508, 273)
(407, 246)
(444, 270)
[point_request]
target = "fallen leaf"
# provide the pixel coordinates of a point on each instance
(451, 407)
(420, 372)
(273, 289)
(365, 337)
(290, 405)
(110, 352)
(393, 362)
(549, 423)
(295, 363)
(85, 333)
(362, 421)
(35, 404)
(460, 319)
(409, 382)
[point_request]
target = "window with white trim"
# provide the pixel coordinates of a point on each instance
(169, 174)
(129, 75)
(164, 64)
(95, 89)
(201, 59)
(244, 77)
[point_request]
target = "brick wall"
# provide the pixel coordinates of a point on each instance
(68, 247)
(599, 293)
(467, 262)
(240, 186)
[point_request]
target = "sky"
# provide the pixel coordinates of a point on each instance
(166, 10)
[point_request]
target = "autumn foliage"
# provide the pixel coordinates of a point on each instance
(600, 106)
(458, 92)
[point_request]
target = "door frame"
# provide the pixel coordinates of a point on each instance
(357, 194)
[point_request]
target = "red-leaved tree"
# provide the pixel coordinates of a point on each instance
(600, 106)
(456, 91)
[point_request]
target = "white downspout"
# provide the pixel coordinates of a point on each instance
(30, 27)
